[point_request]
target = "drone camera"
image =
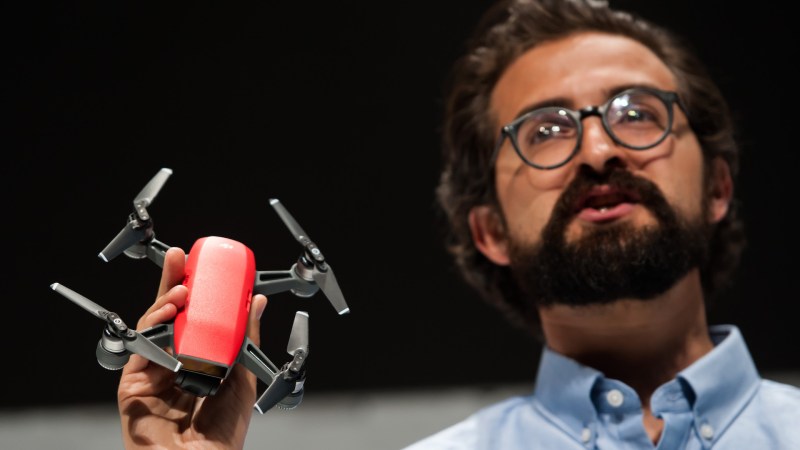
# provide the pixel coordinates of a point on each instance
(199, 376)
(199, 384)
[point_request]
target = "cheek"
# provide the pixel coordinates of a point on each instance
(525, 221)
(528, 195)
(681, 182)
(689, 196)
(527, 201)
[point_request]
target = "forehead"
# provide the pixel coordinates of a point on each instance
(579, 69)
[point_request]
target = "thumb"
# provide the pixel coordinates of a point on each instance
(257, 306)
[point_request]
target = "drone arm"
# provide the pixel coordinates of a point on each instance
(257, 362)
(271, 282)
(160, 334)
(155, 252)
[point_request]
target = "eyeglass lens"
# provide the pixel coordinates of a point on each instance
(635, 119)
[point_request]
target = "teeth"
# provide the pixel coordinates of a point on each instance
(602, 209)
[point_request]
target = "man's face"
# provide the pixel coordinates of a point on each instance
(610, 204)
(612, 262)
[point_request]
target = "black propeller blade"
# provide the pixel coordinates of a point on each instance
(286, 388)
(298, 337)
(131, 340)
(139, 225)
(127, 237)
(151, 189)
(322, 272)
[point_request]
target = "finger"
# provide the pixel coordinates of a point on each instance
(168, 306)
(173, 271)
(176, 297)
(171, 275)
(257, 306)
(165, 307)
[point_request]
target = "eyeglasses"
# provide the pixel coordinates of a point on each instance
(547, 138)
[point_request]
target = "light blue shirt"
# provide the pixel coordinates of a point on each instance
(719, 402)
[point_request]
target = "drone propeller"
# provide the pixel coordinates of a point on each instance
(139, 226)
(286, 389)
(130, 340)
(321, 272)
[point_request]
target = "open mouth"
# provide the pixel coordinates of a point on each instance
(605, 197)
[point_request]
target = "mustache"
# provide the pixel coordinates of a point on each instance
(645, 191)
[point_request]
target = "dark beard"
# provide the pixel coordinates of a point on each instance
(614, 261)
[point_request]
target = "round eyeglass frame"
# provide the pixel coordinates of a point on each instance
(511, 130)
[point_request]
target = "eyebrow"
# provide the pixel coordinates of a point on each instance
(565, 102)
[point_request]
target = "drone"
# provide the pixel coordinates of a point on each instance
(208, 335)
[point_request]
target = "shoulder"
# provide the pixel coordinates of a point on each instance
(775, 407)
(769, 420)
(780, 398)
(469, 433)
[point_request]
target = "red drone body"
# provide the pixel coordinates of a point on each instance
(210, 328)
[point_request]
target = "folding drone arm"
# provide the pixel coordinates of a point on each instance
(257, 362)
(154, 250)
(160, 334)
(284, 386)
(298, 280)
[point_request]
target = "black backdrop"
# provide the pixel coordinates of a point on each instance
(332, 108)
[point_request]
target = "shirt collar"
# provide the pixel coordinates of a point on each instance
(563, 387)
(722, 382)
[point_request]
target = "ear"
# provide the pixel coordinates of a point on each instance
(721, 191)
(489, 234)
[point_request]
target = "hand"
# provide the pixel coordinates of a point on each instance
(156, 413)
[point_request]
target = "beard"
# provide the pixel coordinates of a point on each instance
(614, 261)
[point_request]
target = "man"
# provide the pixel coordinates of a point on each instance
(588, 182)
(601, 217)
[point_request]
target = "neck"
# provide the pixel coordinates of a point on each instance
(643, 343)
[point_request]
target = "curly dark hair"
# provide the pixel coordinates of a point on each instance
(507, 30)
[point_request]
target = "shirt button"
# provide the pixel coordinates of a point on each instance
(615, 398)
(586, 435)
(707, 431)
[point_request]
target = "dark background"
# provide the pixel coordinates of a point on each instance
(334, 109)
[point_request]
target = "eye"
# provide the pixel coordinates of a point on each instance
(635, 113)
(637, 110)
(542, 126)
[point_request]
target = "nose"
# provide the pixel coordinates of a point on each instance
(597, 149)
